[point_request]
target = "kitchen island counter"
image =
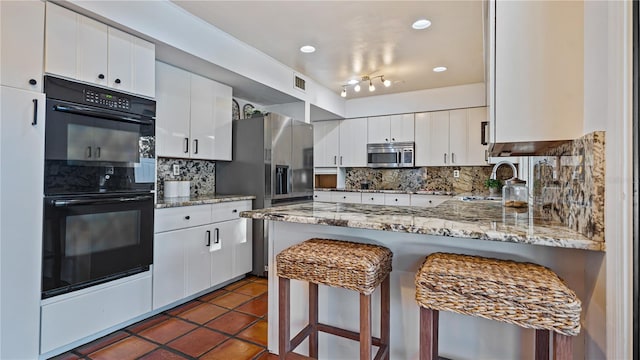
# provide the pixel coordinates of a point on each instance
(200, 200)
(477, 219)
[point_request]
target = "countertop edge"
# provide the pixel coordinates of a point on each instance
(215, 199)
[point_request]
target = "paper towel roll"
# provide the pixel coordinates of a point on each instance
(171, 189)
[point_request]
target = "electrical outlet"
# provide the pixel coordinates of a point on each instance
(176, 169)
(456, 173)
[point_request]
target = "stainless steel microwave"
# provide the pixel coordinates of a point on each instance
(390, 155)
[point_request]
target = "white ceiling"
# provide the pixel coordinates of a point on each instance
(356, 38)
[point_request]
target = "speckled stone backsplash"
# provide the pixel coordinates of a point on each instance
(425, 178)
(568, 184)
(201, 173)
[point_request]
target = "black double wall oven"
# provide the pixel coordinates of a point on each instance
(98, 187)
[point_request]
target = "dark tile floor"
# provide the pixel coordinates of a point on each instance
(229, 324)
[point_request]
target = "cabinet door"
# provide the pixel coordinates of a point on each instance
(172, 111)
(397, 199)
(222, 122)
(401, 128)
(168, 267)
(422, 137)
(476, 152)
(92, 51)
(203, 120)
(458, 137)
(373, 198)
(346, 197)
(223, 238)
(326, 137)
(378, 129)
(197, 245)
(322, 196)
(243, 246)
(61, 33)
(22, 44)
(353, 143)
(120, 60)
(143, 67)
(438, 143)
(21, 184)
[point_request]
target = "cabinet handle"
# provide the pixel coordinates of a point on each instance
(453, 158)
(386, 139)
(101, 76)
(88, 152)
(483, 132)
(187, 217)
(98, 152)
(217, 236)
(208, 237)
(393, 139)
(33, 82)
(396, 199)
(344, 197)
(445, 158)
(430, 201)
(234, 210)
(340, 159)
(186, 145)
(335, 160)
(117, 81)
(195, 146)
(35, 112)
(371, 198)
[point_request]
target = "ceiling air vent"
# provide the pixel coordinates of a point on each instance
(299, 83)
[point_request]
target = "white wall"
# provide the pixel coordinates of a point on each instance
(295, 110)
(452, 97)
(595, 65)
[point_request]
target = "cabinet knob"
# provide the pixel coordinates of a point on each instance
(430, 201)
(344, 197)
(396, 199)
(100, 76)
(32, 82)
(385, 139)
(118, 81)
(187, 217)
(371, 198)
(393, 139)
(234, 210)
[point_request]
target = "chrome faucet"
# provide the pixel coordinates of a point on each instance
(496, 166)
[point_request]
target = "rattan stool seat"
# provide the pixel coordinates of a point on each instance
(354, 266)
(524, 294)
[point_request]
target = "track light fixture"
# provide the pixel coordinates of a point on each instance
(365, 78)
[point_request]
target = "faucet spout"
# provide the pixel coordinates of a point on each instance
(496, 166)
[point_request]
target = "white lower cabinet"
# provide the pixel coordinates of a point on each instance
(428, 200)
(322, 196)
(397, 199)
(194, 258)
(346, 197)
(373, 198)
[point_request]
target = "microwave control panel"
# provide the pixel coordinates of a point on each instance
(107, 100)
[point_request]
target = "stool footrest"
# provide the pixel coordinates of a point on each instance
(333, 330)
(352, 335)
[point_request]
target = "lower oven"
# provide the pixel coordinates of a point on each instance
(92, 239)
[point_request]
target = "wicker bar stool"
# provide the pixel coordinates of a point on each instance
(524, 294)
(354, 266)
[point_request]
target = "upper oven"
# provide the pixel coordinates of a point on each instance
(390, 155)
(97, 140)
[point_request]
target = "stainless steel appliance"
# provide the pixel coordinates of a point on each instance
(390, 155)
(99, 181)
(273, 160)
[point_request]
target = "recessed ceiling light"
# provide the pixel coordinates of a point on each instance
(439, 69)
(352, 82)
(307, 49)
(421, 24)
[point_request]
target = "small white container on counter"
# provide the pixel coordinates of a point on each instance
(184, 188)
(177, 189)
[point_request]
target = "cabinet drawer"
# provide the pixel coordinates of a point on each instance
(377, 199)
(428, 200)
(397, 199)
(229, 210)
(321, 196)
(181, 217)
(346, 197)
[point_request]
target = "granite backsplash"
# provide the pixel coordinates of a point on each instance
(425, 178)
(201, 173)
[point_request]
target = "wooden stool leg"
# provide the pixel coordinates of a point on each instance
(542, 345)
(313, 320)
(365, 327)
(562, 347)
(284, 336)
(385, 316)
(428, 334)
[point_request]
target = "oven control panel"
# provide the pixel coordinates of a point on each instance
(107, 100)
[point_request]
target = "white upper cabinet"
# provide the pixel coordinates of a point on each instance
(326, 140)
(81, 48)
(538, 70)
(450, 138)
(390, 128)
(22, 42)
(353, 143)
(193, 115)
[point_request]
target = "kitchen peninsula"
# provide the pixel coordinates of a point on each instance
(412, 233)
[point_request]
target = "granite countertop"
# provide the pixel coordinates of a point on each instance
(200, 200)
(478, 219)
(420, 192)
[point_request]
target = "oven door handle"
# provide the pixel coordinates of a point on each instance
(80, 110)
(73, 202)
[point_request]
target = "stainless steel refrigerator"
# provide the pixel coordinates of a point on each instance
(273, 160)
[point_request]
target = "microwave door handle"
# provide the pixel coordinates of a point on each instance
(80, 110)
(74, 202)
